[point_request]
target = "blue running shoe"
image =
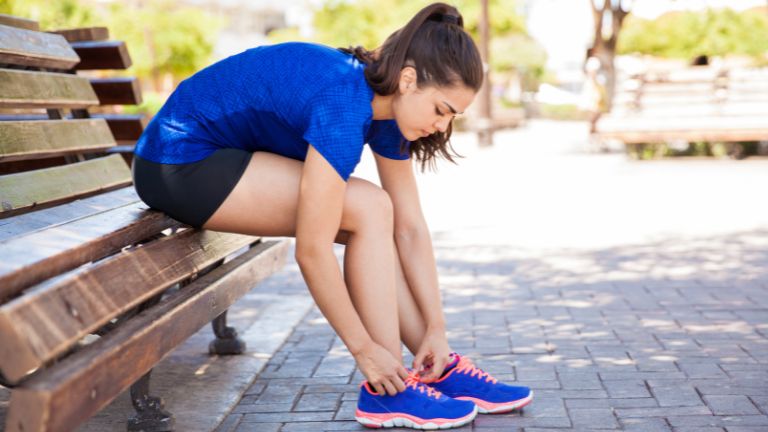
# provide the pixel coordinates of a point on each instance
(418, 407)
(464, 381)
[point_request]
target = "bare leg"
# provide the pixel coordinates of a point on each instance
(412, 324)
(265, 201)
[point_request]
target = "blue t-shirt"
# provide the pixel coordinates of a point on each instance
(278, 99)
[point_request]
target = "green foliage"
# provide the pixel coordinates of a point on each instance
(57, 14)
(368, 23)
(161, 37)
(164, 38)
(689, 34)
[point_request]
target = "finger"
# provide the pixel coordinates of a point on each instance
(379, 389)
(398, 383)
(437, 369)
(418, 360)
(402, 373)
(391, 390)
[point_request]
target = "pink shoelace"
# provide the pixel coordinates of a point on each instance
(414, 381)
(466, 366)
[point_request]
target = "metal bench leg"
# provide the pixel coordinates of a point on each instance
(150, 415)
(226, 342)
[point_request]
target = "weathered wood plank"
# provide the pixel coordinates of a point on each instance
(27, 89)
(102, 55)
(34, 48)
(117, 91)
(23, 191)
(41, 139)
(45, 322)
(84, 34)
(14, 21)
(25, 224)
(60, 398)
(32, 258)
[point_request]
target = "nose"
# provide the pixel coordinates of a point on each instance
(442, 124)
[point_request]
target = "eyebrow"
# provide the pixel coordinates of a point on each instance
(453, 110)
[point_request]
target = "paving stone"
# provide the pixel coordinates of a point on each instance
(611, 403)
(322, 426)
(717, 421)
(662, 412)
(287, 417)
(262, 408)
(679, 395)
(595, 418)
(258, 427)
(627, 389)
(648, 424)
(730, 405)
(318, 402)
(699, 429)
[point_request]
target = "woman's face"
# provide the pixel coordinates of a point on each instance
(420, 112)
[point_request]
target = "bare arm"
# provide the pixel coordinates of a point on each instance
(321, 199)
(414, 243)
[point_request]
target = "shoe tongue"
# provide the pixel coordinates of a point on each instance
(452, 364)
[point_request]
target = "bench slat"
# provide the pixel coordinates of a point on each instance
(32, 258)
(21, 140)
(33, 48)
(84, 34)
(27, 89)
(23, 191)
(117, 91)
(14, 21)
(47, 321)
(25, 224)
(60, 398)
(102, 55)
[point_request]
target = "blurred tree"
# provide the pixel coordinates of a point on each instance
(690, 34)
(609, 17)
(52, 15)
(165, 39)
(162, 38)
(369, 22)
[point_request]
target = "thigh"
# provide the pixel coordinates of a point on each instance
(265, 200)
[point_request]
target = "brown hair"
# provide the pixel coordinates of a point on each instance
(435, 44)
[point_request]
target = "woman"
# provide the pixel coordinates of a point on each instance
(264, 143)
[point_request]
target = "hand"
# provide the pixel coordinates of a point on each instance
(382, 370)
(433, 355)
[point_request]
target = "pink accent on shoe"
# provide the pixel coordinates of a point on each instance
(466, 366)
(486, 407)
(377, 420)
(413, 381)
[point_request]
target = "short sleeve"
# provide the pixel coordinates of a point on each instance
(386, 140)
(335, 123)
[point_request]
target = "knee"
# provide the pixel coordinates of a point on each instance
(369, 207)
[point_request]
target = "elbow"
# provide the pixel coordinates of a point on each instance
(409, 233)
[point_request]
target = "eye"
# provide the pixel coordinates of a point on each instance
(437, 111)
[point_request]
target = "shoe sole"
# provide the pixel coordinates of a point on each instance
(484, 407)
(390, 420)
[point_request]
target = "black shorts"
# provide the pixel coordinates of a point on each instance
(190, 193)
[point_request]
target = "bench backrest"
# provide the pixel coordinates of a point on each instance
(78, 249)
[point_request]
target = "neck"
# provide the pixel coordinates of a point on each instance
(382, 107)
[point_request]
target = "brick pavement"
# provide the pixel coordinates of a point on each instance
(610, 339)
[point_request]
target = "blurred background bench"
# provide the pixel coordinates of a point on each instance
(696, 104)
(95, 289)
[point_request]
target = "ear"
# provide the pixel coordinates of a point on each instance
(407, 80)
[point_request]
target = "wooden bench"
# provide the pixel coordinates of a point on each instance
(689, 105)
(95, 289)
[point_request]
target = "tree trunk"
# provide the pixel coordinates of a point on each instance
(604, 45)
